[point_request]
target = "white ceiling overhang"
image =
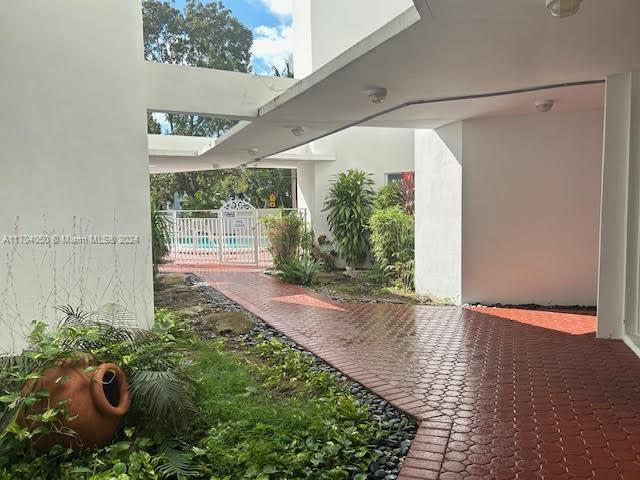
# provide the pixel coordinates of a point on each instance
(472, 50)
(175, 153)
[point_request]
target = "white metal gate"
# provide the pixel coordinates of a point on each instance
(239, 230)
(232, 234)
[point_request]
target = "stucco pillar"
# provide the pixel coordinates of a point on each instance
(74, 187)
(619, 247)
(438, 215)
(306, 189)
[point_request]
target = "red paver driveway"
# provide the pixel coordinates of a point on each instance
(500, 393)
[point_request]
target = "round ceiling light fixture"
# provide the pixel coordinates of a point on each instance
(297, 131)
(543, 106)
(563, 8)
(253, 151)
(377, 94)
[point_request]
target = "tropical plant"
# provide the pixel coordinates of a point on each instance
(152, 359)
(300, 271)
(288, 236)
(285, 71)
(388, 196)
(408, 188)
(160, 236)
(392, 238)
(349, 206)
(322, 250)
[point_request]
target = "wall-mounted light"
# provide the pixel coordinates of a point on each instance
(377, 94)
(298, 131)
(563, 8)
(544, 106)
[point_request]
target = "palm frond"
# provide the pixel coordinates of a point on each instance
(178, 464)
(73, 315)
(116, 315)
(163, 396)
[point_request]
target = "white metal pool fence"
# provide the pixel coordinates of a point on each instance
(234, 234)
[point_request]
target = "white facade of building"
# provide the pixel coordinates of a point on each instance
(320, 35)
(507, 208)
(74, 162)
(512, 205)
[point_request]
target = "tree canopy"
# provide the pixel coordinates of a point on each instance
(205, 35)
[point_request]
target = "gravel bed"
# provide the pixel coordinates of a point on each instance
(398, 428)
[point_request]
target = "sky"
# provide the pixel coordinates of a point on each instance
(270, 21)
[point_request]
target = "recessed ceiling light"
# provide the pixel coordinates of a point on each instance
(253, 151)
(298, 131)
(563, 8)
(377, 94)
(544, 106)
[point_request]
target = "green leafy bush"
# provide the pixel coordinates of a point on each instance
(392, 238)
(151, 359)
(389, 196)
(349, 205)
(287, 234)
(300, 271)
(160, 236)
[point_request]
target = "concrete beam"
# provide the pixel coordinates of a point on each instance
(209, 92)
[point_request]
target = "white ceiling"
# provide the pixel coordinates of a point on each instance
(460, 48)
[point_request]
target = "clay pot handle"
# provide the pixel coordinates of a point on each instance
(97, 390)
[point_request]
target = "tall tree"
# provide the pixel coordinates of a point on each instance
(205, 35)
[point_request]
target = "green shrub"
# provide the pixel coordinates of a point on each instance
(392, 238)
(287, 234)
(349, 204)
(160, 236)
(300, 271)
(388, 196)
(160, 393)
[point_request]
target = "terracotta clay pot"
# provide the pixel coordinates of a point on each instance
(95, 400)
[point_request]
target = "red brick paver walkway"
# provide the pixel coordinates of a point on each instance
(500, 393)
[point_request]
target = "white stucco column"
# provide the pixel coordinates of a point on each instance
(619, 248)
(74, 164)
(306, 189)
(438, 215)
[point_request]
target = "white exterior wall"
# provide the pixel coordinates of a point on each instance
(74, 159)
(438, 160)
(618, 287)
(531, 199)
(322, 31)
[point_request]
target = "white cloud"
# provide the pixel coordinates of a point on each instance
(280, 8)
(272, 45)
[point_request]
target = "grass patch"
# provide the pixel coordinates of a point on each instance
(278, 420)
